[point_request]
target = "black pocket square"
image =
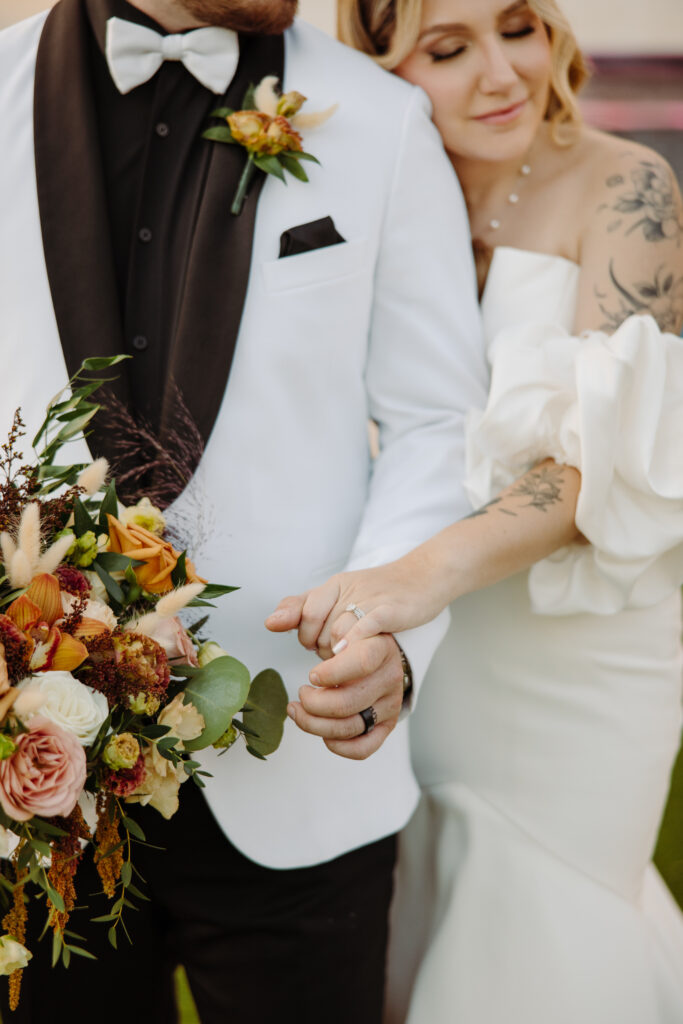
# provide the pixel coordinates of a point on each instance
(318, 234)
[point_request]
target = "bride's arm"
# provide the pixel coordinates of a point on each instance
(526, 522)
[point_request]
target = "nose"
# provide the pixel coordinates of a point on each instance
(497, 73)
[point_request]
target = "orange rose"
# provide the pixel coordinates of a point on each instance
(249, 128)
(160, 558)
(290, 104)
(282, 137)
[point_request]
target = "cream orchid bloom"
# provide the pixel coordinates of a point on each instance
(268, 101)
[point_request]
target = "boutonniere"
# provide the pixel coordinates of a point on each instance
(268, 127)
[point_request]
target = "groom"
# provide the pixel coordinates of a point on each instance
(323, 303)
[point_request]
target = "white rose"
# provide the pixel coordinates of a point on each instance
(98, 591)
(13, 956)
(65, 701)
(8, 842)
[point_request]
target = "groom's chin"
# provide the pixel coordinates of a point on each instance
(268, 17)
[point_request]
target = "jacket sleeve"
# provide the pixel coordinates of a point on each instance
(426, 366)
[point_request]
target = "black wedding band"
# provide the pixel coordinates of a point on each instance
(369, 717)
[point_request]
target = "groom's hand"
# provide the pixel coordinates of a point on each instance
(367, 674)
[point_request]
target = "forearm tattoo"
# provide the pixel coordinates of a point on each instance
(543, 488)
(647, 203)
(661, 297)
(485, 508)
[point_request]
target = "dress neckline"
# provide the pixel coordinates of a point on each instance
(524, 253)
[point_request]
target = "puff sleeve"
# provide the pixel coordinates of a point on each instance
(611, 406)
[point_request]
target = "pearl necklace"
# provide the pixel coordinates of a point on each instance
(513, 198)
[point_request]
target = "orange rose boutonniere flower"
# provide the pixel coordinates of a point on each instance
(159, 558)
(268, 128)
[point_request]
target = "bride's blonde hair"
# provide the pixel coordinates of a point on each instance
(388, 30)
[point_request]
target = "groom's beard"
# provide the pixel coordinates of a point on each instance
(269, 17)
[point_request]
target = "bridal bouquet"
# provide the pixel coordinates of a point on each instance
(105, 696)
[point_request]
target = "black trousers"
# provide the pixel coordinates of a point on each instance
(259, 945)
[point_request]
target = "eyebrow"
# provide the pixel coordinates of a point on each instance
(461, 27)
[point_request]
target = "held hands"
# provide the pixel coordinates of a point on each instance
(364, 669)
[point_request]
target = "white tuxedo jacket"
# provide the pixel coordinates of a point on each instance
(384, 325)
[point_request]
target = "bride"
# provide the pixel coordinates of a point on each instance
(545, 734)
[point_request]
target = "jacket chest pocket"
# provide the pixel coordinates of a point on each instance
(318, 267)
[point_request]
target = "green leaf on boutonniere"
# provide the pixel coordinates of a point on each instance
(271, 165)
(219, 133)
(222, 112)
(305, 156)
(292, 165)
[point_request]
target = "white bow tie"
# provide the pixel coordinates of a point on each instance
(135, 54)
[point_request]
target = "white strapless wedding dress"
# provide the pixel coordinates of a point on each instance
(546, 731)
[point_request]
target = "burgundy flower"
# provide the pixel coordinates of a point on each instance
(124, 781)
(72, 581)
(122, 665)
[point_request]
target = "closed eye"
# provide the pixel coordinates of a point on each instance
(520, 33)
(447, 56)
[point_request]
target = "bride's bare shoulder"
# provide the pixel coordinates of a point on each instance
(629, 188)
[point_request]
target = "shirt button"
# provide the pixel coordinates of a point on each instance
(145, 235)
(140, 342)
(162, 130)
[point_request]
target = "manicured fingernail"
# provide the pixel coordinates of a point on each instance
(315, 679)
(291, 712)
(338, 648)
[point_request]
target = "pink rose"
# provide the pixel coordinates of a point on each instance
(46, 773)
(169, 633)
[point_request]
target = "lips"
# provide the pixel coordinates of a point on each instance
(503, 115)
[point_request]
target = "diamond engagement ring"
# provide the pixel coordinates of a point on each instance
(358, 612)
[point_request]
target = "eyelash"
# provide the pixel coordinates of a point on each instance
(526, 31)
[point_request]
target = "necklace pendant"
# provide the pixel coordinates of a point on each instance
(525, 169)
(494, 224)
(513, 198)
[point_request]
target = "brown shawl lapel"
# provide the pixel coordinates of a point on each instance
(73, 213)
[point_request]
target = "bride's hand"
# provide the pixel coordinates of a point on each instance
(392, 598)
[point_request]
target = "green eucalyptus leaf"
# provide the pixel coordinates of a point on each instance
(217, 691)
(133, 828)
(101, 363)
(267, 706)
(78, 951)
(76, 426)
(305, 156)
(73, 414)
